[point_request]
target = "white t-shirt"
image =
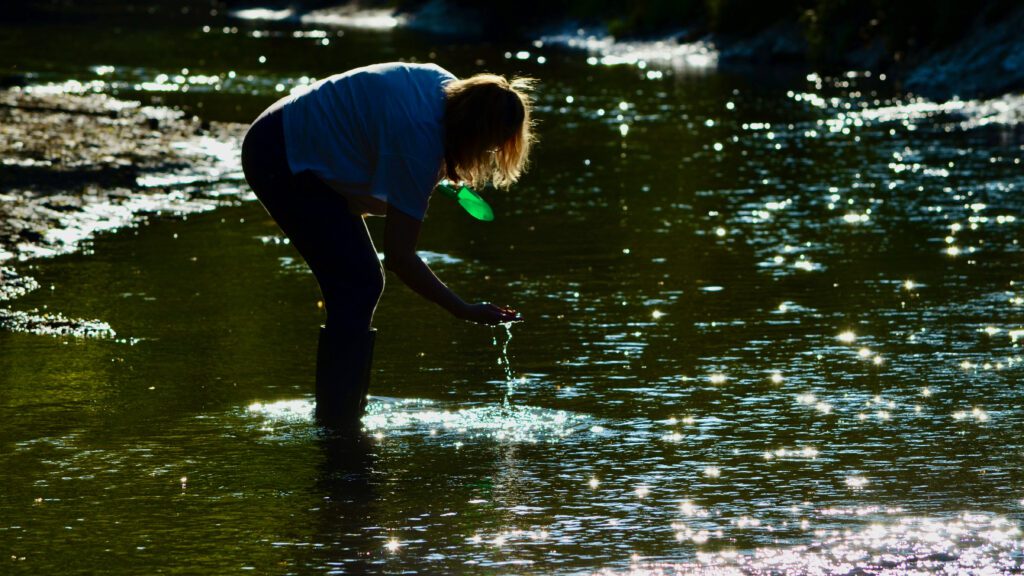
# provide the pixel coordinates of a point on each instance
(376, 130)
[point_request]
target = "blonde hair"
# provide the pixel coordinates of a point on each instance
(488, 129)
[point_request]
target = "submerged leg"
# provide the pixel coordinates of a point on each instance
(343, 368)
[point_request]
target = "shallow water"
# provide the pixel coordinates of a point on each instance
(772, 324)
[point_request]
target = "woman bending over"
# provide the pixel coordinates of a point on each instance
(376, 141)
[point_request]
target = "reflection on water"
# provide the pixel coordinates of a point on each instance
(388, 418)
(343, 17)
(967, 544)
(603, 49)
(771, 327)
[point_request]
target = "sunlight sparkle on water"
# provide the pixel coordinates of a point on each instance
(674, 437)
(966, 544)
(847, 337)
(262, 14)
(512, 423)
(807, 452)
(688, 508)
(856, 482)
(365, 19)
(283, 410)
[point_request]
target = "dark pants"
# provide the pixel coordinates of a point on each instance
(335, 243)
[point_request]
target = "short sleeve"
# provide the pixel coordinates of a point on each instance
(405, 182)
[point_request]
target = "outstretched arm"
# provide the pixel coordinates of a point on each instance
(401, 232)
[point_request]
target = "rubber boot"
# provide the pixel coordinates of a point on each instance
(364, 396)
(343, 364)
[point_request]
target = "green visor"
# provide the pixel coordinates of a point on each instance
(470, 201)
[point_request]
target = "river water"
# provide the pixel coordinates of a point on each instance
(772, 325)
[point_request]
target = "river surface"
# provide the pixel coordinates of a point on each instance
(772, 325)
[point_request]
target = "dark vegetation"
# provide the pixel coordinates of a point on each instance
(906, 37)
(831, 30)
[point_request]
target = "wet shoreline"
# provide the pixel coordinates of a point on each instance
(76, 164)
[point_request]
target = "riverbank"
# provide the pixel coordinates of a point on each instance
(941, 50)
(949, 52)
(78, 163)
(946, 52)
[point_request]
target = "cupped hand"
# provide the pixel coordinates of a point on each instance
(487, 313)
